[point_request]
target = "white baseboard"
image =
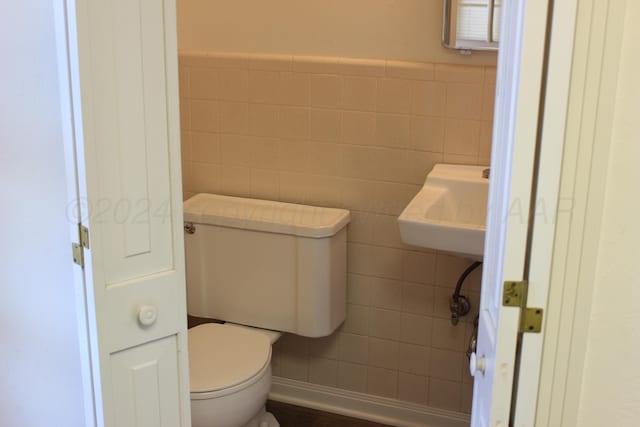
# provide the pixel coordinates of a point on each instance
(364, 406)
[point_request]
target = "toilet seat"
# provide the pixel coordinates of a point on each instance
(225, 359)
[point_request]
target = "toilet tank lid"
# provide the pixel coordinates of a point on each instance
(265, 215)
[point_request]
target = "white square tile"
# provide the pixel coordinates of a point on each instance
(428, 98)
(445, 394)
(446, 336)
(394, 96)
(360, 229)
(466, 400)
(427, 134)
(324, 347)
(323, 372)
(359, 93)
(441, 304)
(326, 90)
(263, 120)
(324, 158)
(264, 152)
(358, 128)
(295, 343)
(186, 146)
(292, 156)
(385, 229)
(294, 89)
(235, 181)
(294, 122)
(235, 150)
(204, 178)
(202, 83)
(358, 289)
(383, 353)
(464, 101)
(385, 293)
(233, 84)
(353, 348)
(234, 117)
(385, 324)
(416, 329)
(419, 267)
(352, 377)
(459, 73)
(204, 115)
(413, 388)
(446, 365)
(205, 147)
(293, 366)
(386, 262)
(325, 124)
(449, 268)
(382, 382)
(292, 187)
(264, 86)
(488, 101)
(421, 163)
(265, 184)
(357, 321)
(393, 130)
(418, 298)
(462, 137)
(414, 359)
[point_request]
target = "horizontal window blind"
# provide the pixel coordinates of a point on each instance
(474, 19)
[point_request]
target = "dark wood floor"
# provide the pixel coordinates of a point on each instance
(296, 416)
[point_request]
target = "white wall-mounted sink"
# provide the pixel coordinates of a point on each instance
(450, 211)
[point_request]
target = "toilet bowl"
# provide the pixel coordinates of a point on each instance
(230, 376)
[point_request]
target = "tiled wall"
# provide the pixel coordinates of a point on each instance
(362, 135)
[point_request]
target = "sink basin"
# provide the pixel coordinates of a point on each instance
(450, 212)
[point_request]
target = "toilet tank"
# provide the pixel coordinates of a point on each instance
(266, 264)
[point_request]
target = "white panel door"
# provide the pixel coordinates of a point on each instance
(518, 89)
(122, 62)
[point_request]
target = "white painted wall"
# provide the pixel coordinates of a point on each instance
(382, 29)
(611, 378)
(40, 377)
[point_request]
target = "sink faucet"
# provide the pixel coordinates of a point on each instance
(486, 173)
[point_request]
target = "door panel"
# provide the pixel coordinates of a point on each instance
(145, 386)
(124, 302)
(132, 145)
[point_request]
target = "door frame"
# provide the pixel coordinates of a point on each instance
(588, 124)
(580, 78)
(72, 151)
(583, 59)
(546, 201)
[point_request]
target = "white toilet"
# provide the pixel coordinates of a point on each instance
(263, 268)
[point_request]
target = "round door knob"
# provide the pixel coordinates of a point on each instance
(147, 315)
(476, 364)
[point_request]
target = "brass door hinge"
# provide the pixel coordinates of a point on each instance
(78, 254)
(84, 236)
(78, 248)
(515, 295)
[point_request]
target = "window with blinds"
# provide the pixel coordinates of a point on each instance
(478, 20)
